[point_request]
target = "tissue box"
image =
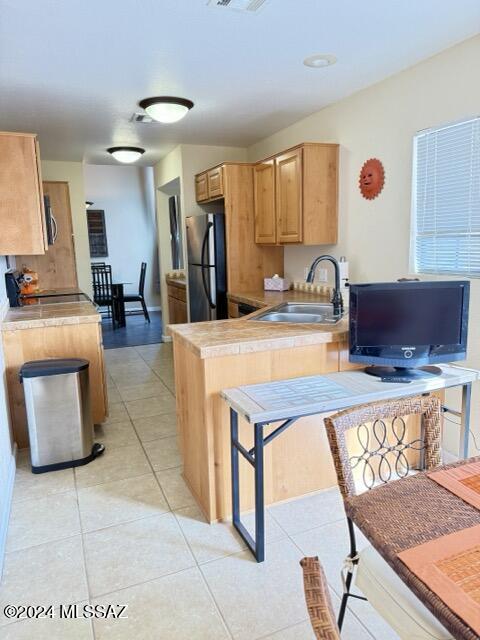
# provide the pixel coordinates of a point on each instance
(276, 284)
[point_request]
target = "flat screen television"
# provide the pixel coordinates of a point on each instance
(404, 326)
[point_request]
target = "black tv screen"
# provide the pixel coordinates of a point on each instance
(408, 323)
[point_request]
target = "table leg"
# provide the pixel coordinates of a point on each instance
(259, 496)
(119, 305)
(255, 458)
(465, 424)
(235, 468)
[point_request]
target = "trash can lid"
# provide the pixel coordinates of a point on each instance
(53, 367)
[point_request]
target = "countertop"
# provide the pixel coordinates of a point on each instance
(49, 315)
(231, 337)
(270, 298)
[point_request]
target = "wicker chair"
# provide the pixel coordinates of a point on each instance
(383, 453)
(318, 600)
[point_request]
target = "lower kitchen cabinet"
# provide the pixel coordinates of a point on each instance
(79, 340)
(177, 303)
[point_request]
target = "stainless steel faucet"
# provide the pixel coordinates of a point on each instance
(337, 300)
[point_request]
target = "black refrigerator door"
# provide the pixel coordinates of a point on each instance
(202, 293)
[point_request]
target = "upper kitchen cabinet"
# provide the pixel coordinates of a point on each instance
(22, 216)
(296, 196)
(57, 268)
(264, 194)
(209, 185)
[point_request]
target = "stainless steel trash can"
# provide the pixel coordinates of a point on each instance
(60, 427)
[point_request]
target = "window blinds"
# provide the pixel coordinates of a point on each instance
(446, 200)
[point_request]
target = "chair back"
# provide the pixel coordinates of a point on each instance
(141, 284)
(319, 603)
(102, 284)
(384, 445)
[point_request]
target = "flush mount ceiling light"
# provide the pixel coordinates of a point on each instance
(126, 154)
(88, 204)
(320, 60)
(166, 109)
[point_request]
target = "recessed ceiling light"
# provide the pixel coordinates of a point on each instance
(320, 60)
(166, 109)
(126, 154)
(88, 204)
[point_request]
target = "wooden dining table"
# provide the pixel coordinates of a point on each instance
(409, 512)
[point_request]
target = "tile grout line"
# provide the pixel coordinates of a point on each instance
(82, 544)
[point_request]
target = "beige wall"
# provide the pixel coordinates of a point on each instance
(174, 174)
(380, 122)
(72, 172)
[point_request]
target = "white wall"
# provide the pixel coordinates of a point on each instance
(127, 196)
(72, 172)
(7, 458)
(380, 122)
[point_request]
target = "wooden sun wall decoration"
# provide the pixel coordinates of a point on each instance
(372, 178)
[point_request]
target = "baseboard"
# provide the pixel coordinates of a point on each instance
(7, 490)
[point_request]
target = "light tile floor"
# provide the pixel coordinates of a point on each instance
(126, 530)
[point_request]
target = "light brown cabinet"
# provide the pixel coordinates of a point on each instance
(264, 195)
(295, 195)
(79, 340)
(177, 303)
(57, 268)
(22, 217)
(201, 187)
(209, 185)
(231, 184)
(289, 196)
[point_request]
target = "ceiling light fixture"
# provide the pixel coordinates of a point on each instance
(320, 60)
(166, 109)
(126, 154)
(88, 204)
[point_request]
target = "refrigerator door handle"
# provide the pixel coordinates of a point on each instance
(204, 280)
(205, 241)
(207, 289)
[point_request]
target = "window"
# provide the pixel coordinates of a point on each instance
(97, 233)
(446, 200)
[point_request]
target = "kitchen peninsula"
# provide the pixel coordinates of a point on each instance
(211, 356)
(57, 330)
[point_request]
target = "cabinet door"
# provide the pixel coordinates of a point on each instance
(201, 187)
(289, 204)
(215, 183)
(21, 200)
(181, 312)
(264, 199)
(57, 268)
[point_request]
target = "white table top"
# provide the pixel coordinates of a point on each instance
(295, 397)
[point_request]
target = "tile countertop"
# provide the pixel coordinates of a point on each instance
(54, 315)
(231, 337)
(270, 298)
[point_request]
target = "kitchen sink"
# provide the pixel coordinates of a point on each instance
(304, 312)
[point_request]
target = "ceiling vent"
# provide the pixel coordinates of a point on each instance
(141, 117)
(245, 6)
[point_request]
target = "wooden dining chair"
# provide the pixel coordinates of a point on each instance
(319, 603)
(140, 297)
(372, 445)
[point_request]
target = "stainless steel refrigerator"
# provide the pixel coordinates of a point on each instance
(207, 276)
